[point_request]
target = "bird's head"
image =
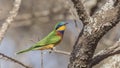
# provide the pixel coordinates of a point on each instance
(60, 27)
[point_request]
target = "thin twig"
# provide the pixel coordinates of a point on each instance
(42, 63)
(100, 56)
(72, 9)
(80, 34)
(76, 17)
(83, 16)
(60, 52)
(10, 18)
(3, 56)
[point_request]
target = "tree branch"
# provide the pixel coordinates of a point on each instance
(81, 11)
(100, 56)
(99, 25)
(10, 18)
(3, 56)
(83, 16)
(4, 29)
(95, 7)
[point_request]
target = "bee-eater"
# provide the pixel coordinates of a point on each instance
(51, 40)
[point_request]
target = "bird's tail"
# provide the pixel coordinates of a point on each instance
(23, 51)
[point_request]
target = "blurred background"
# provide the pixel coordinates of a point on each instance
(35, 19)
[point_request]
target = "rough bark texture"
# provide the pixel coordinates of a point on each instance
(103, 54)
(82, 13)
(83, 52)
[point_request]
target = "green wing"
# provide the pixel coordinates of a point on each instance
(52, 38)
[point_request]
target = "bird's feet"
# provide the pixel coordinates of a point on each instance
(52, 50)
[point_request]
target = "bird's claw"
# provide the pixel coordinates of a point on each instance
(52, 50)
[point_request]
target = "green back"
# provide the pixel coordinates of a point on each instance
(52, 38)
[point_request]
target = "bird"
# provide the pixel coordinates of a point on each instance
(51, 40)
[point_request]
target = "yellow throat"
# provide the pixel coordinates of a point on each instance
(61, 28)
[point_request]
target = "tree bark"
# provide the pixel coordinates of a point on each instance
(102, 22)
(103, 54)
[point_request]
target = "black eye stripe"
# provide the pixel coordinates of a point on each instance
(58, 26)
